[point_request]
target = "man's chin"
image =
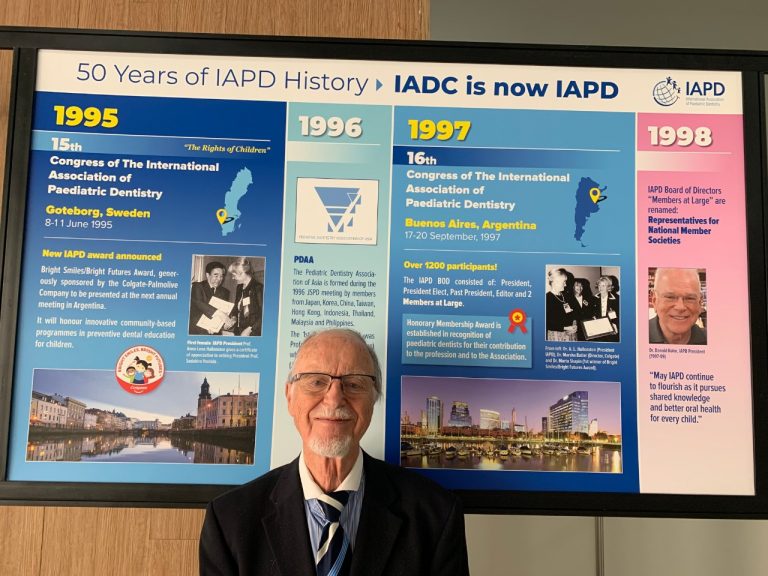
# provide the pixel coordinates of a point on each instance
(335, 447)
(680, 328)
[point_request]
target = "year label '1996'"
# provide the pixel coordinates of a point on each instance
(332, 126)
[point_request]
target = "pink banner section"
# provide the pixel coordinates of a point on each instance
(694, 377)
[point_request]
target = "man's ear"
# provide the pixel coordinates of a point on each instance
(289, 397)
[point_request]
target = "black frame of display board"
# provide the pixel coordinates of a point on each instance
(752, 65)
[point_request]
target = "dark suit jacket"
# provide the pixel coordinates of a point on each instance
(198, 304)
(249, 315)
(408, 526)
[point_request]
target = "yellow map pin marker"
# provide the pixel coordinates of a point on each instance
(221, 214)
(594, 193)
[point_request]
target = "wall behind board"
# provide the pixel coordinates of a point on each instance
(740, 24)
(38, 540)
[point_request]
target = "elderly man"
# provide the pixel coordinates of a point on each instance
(677, 301)
(334, 510)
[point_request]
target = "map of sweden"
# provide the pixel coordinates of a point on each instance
(237, 190)
(585, 205)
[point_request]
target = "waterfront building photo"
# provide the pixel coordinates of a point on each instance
(193, 417)
(499, 424)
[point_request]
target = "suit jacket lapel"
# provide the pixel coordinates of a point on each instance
(378, 527)
(286, 527)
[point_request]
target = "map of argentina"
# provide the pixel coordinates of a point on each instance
(231, 212)
(588, 198)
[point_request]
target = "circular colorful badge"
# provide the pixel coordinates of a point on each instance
(140, 369)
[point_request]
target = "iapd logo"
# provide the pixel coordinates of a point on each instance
(666, 92)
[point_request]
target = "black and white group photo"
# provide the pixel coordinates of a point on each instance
(582, 303)
(227, 295)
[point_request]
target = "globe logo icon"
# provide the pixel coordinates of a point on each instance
(666, 92)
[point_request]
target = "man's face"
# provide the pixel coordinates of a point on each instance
(215, 277)
(331, 424)
(677, 300)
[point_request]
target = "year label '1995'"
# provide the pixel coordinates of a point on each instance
(89, 117)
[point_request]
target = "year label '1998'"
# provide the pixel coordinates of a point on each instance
(681, 136)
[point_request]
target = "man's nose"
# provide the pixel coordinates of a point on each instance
(335, 392)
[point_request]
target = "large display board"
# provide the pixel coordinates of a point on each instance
(550, 260)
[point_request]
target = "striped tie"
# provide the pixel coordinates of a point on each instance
(333, 556)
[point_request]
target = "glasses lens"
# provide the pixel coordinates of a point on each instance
(688, 299)
(356, 384)
(313, 382)
(351, 384)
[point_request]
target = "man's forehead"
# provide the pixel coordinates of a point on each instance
(678, 277)
(330, 347)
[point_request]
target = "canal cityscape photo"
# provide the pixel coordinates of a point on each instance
(192, 417)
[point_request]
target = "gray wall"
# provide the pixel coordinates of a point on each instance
(554, 546)
(736, 24)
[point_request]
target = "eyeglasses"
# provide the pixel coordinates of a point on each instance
(688, 299)
(352, 385)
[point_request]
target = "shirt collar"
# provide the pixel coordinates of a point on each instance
(312, 490)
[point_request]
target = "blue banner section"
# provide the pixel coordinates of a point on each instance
(503, 224)
(150, 291)
(155, 259)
